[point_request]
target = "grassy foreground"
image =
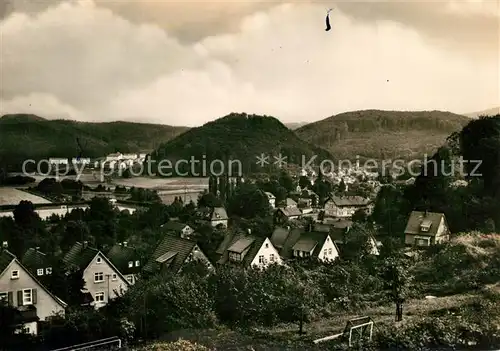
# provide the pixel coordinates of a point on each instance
(285, 337)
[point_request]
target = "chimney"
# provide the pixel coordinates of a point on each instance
(124, 243)
(85, 244)
(37, 248)
(249, 231)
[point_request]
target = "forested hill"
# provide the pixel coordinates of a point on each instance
(383, 134)
(239, 136)
(28, 136)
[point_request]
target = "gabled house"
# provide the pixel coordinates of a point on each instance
(271, 198)
(127, 260)
(172, 253)
(305, 244)
(308, 198)
(248, 251)
(282, 215)
(21, 289)
(213, 215)
(426, 228)
(103, 281)
(339, 232)
(37, 262)
(346, 206)
(179, 229)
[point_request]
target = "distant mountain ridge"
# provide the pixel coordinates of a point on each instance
(381, 134)
(24, 136)
(239, 136)
(295, 125)
(489, 112)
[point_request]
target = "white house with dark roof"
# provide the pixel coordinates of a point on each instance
(181, 229)
(248, 251)
(297, 243)
(346, 206)
(214, 216)
(102, 279)
(21, 289)
(426, 229)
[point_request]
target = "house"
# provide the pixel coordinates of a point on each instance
(103, 281)
(129, 156)
(346, 206)
(284, 214)
(114, 157)
(339, 232)
(213, 215)
(80, 161)
(127, 260)
(248, 251)
(272, 199)
(172, 253)
(58, 161)
(308, 198)
(426, 228)
(21, 289)
(37, 262)
(299, 243)
(290, 203)
(180, 229)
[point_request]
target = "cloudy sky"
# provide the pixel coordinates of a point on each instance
(188, 62)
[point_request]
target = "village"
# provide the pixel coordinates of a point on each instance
(305, 226)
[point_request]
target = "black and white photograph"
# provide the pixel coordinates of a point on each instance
(249, 175)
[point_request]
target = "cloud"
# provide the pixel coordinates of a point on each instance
(85, 61)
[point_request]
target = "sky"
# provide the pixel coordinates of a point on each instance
(190, 62)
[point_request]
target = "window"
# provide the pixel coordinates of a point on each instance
(3, 296)
(48, 270)
(14, 275)
(98, 277)
(137, 262)
(113, 277)
(330, 251)
(325, 252)
(98, 260)
(39, 271)
(271, 258)
(422, 242)
(267, 246)
(130, 279)
(261, 259)
(130, 264)
(99, 296)
(27, 297)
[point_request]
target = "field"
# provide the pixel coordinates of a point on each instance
(12, 196)
(285, 337)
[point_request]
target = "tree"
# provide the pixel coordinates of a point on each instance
(357, 243)
(359, 216)
(304, 182)
(342, 186)
(209, 200)
(249, 201)
(397, 281)
(286, 181)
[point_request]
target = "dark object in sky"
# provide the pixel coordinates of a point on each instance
(328, 27)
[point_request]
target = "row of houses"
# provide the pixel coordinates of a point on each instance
(107, 275)
(112, 160)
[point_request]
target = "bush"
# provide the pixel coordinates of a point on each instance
(180, 345)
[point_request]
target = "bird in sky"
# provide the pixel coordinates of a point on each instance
(328, 26)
